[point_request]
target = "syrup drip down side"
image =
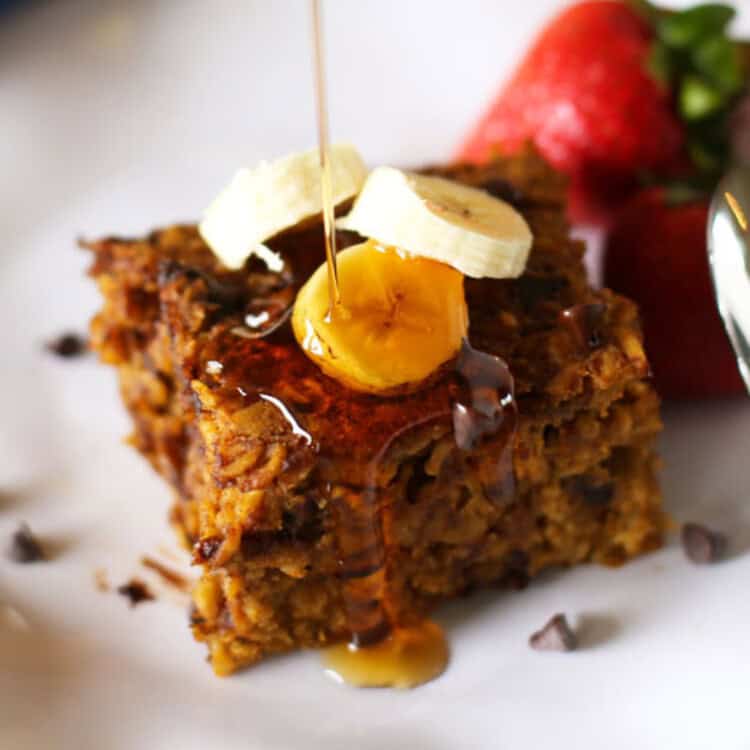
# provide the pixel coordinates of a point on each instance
(384, 651)
(474, 399)
(584, 323)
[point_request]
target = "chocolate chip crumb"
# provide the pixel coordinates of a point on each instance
(556, 635)
(701, 545)
(136, 591)
(68, 345)
(591, 492)
(25, 547)
(205, 549)
(194, 616)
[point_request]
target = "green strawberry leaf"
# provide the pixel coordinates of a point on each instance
(693, 57)
(717, 59)
(688, 27)
(698, 99)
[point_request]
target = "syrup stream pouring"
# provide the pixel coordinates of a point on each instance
(321, 108)
(728, 242)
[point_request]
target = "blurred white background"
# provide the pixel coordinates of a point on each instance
(92, 88)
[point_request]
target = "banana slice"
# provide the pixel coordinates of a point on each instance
(432, 217)
(400, 318)
(262, 202)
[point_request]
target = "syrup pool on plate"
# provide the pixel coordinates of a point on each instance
(407, 657)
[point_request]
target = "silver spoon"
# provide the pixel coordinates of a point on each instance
(729, 260)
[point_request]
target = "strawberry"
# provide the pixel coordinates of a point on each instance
(614, 90)
(656, 254)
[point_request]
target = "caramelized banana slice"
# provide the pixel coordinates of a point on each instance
(436, 218)
(400, 318)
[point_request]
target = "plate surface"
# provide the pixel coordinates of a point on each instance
(120, 116)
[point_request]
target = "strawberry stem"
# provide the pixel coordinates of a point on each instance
(695, 58)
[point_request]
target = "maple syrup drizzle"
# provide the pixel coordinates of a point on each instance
(409, 656)
(383, 650)
(266, 314)
(584, 323)
(491, 413)
(492, 406)
(361, 517)
(321, 108)
(362, 556)
(291, 420)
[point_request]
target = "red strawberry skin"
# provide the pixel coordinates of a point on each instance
(656, 254)
(584, 97)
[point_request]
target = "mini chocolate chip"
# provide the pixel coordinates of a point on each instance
(596, 495)
(136, 591)
(303, 522)
(68, 345)
(556, 635)
(205, 549)
(701, 545)
(418, 480)
(24, 546)
(549, 434)
(194, 616)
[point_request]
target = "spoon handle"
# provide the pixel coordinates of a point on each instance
(728, 244)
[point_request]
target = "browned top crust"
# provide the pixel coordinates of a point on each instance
(174, 286)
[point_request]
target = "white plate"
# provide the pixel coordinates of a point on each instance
(91, 89)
